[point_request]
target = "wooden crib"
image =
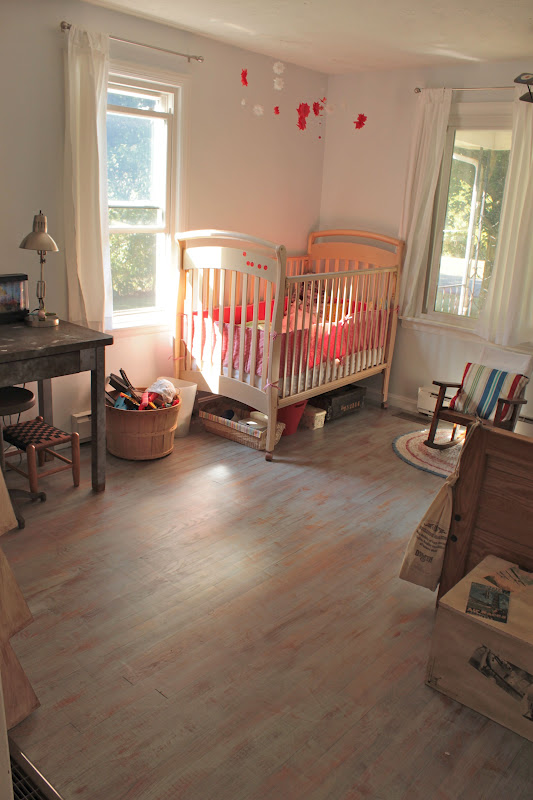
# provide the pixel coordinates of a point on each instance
(269, 330)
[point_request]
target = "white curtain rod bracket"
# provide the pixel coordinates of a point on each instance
(65, 26)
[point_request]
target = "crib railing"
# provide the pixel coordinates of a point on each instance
(340, 324)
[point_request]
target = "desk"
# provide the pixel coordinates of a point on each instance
(32, 354)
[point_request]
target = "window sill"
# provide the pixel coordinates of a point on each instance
(139, 324)
(434, 326)
(453, 331)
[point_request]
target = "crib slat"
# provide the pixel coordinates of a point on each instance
(253, 352)
(384, 327)
(348, 324)
(221, 300)
(310, 328)
(242, 303)
(266, 336)
(231, 325)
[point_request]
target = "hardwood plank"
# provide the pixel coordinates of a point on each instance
(216, 626)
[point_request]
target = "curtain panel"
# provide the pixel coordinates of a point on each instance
(85, 178)
(507, 317)
(425, 160)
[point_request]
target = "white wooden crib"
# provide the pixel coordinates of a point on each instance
(269, 330)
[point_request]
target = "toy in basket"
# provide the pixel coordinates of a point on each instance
(140, 430)
(235, 421)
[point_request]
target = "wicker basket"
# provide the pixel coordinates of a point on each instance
(141, 435)
(230, 429)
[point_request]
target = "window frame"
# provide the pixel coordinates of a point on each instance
(463, 116)
(126, 75)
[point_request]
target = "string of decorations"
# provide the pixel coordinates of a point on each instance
(303, 110)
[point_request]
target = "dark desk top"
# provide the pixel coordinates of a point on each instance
(19, 341)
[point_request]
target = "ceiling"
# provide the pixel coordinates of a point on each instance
(341, 36)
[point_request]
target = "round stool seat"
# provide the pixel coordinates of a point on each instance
(14, 400)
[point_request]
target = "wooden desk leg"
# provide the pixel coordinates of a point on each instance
(45, 400)
(98, 420)
(46, 410)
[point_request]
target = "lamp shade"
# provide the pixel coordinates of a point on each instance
(39, 239)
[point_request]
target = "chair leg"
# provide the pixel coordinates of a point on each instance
(430, 441)
(76, 458)
(32, 467)
(15, 493)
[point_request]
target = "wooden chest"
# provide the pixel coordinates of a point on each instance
(340, 402)
(483, 663)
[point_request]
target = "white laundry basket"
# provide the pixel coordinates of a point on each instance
(187, 397)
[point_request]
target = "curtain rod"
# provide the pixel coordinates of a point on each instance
(65, 26)
(472, 88)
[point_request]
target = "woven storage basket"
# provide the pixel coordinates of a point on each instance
(235, 431)
(141, 435)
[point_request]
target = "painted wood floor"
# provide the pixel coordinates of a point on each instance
(214, 627)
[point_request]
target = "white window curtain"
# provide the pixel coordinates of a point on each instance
(86, 223)
(427, 149)
(507, 317)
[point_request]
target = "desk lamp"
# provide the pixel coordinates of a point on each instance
(41, 241)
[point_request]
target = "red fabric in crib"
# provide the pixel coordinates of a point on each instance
(336, 341)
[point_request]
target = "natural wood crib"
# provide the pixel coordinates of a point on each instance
(269, 330)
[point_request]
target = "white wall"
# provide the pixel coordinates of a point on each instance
(260, 175)
(363, 185)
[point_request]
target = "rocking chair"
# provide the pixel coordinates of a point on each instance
(486, 392)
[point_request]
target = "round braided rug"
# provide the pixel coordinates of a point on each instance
(410, 448)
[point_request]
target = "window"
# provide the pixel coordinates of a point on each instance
(466, 222)
(142, 170)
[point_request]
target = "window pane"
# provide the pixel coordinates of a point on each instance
(123, 216)
(470, 235)
(133, 269)
(136, 159)
(116, 97)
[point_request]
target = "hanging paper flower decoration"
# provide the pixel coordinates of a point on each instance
(279, 83)
(243, 102)
(303, 112)
(317, 108)
(244, 77)
(259, 111)
(279, 67)
(276, 110)
(360, 121)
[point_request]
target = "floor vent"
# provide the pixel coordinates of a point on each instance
(28, 783)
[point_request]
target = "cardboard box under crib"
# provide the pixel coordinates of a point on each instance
(225, 418)
(479, 659)
(313, 417)
(340, 402)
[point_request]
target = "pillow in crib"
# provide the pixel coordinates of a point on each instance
(481, 387)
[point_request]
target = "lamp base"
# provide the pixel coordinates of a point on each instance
(35, 321)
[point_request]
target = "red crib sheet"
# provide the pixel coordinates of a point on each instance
(363, 331)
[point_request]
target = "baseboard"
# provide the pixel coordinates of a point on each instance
(396, 400)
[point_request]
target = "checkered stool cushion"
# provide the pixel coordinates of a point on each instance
(34, 432)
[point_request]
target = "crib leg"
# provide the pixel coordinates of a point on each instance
(385, 388)
(272, 420)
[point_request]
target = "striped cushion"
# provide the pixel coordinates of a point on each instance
(482, 386)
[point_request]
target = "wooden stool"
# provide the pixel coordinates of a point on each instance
(37, 437)
(15, 400)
